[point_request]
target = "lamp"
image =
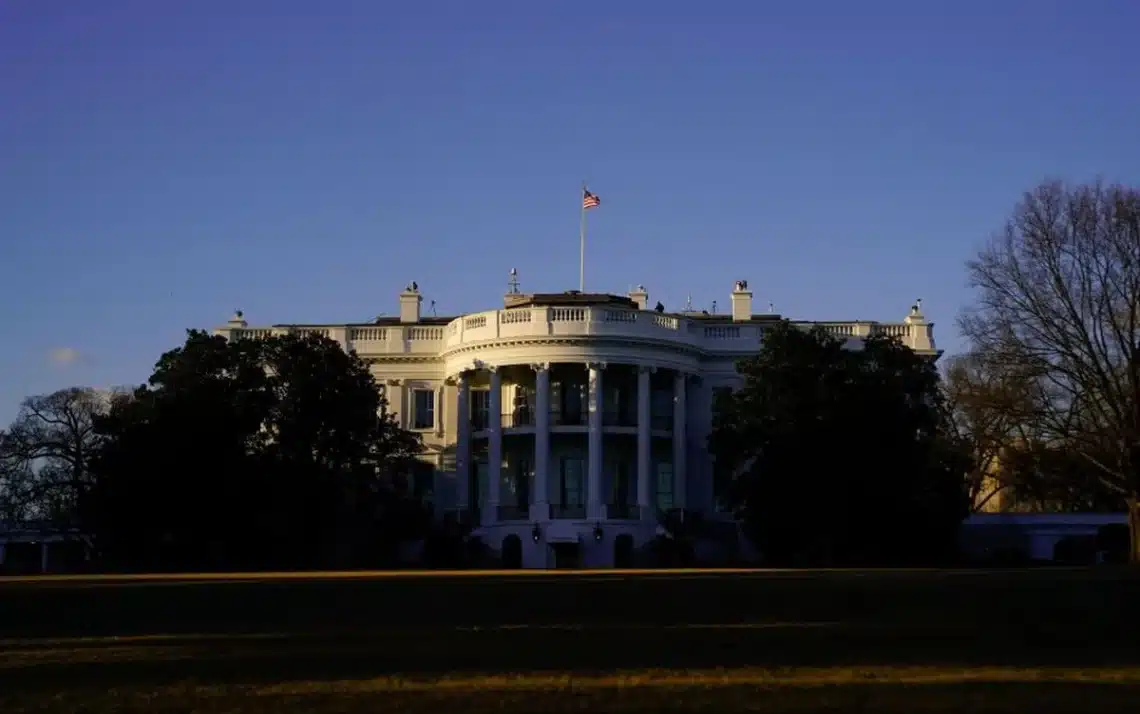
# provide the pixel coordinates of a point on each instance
(536, 533)
(597, 531)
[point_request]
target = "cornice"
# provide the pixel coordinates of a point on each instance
(573, 341)
(403, 358)
(659, 346)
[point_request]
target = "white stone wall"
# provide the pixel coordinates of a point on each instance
(415, 353)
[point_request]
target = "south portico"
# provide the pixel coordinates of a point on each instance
(589, 417)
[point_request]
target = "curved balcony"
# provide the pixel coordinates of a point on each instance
(598, 321)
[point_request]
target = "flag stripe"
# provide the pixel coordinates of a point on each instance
(589, 200)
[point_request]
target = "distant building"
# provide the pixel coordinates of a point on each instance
(562, 425)
(1030, 536)
(40, 547)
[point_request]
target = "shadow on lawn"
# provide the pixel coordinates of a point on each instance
(1047, 698)
(297, 631)
(986, 698)
(420, 651)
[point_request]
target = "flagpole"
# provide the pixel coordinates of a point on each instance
(582, 244)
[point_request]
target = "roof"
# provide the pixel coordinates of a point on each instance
(382, 321)
(570, 298)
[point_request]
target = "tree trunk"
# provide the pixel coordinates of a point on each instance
(1134, 529)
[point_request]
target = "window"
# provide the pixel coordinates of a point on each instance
(573, 402)
(522, 413)
(661, 409)
(619, 406)
(423, 408)
(571, 487)
(623, 551)
(619, 495)
(521, 482)
(611, 401)
(512, 552)
(480, 409)
(664, 486)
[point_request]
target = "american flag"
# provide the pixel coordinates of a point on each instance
(589, 200)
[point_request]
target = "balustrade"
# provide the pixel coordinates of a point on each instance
(564, 510)
(513, 512)
(623, 511)
(580, 321)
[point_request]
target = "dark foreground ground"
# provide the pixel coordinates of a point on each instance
(885, 641)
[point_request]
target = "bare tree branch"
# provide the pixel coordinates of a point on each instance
(988, 409)
(44, 454)
(1059, 300)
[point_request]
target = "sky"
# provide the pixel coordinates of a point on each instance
(162, 164)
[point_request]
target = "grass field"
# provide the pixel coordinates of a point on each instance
(1036, 641)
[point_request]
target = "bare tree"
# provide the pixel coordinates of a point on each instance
(15, 478)
(1059, 304)
(45, 452)
(990, 412)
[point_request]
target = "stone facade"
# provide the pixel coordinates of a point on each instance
(563, 424)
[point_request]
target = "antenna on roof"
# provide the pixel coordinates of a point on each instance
(771, 308)
(513, 283)
(714, 307)
(689, 303)
(432, 308)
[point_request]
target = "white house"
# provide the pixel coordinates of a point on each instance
(560, 426)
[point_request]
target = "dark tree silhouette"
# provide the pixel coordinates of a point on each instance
(248, 453)
(840, 456)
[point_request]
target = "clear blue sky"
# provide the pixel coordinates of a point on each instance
(162, 163)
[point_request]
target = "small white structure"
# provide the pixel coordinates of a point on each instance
(1033, 535)
(43, 539)
(561, 425)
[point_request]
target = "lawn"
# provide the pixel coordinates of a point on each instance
(886, 641)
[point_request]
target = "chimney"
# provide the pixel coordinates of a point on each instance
(741, 301)
(640, 296)
(410, 301)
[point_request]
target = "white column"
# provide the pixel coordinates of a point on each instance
(494, 447)
(463, 443)
(540, 500)
(595, 510)
(680, 453)
(644, 446)
(439, 412)
(702, 429)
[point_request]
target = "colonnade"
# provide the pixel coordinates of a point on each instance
(540, 499)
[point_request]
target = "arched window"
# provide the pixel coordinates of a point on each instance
(512, 552)
(623, 551)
